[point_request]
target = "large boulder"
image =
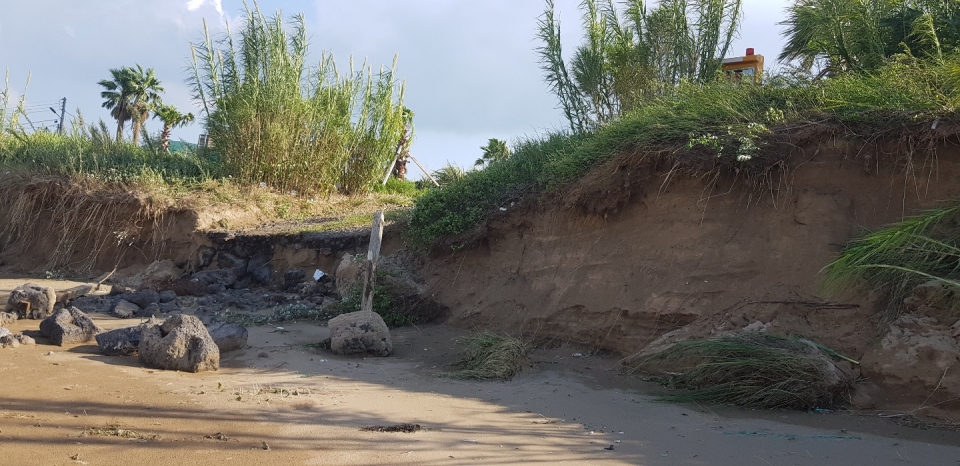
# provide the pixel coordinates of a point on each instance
(228, 337)
(69, 325)
(180, 343)
(32, 301)
(121, 341)
(4, 332)
(359, 333)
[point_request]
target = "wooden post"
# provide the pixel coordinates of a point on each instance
(373, 256)
(425, 172)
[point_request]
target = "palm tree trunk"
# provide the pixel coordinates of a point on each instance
(165, 137)
(136, 132)
(119, 130)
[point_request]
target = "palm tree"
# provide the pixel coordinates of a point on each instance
(495, 151)
(171, 118)
(116, 97)
(144, 89)
(856, 35)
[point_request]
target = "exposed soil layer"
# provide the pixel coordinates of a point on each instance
(639, 254)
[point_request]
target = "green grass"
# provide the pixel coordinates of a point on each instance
(733, 122)
(488, 356)
(387, 302)
(110, 162)
(752, 370)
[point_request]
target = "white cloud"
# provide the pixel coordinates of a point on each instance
(195, 4)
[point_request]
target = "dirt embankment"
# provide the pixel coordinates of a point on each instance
(639, 254)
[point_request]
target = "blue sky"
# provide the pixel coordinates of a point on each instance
(470, 67)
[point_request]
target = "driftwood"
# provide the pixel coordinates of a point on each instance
(70, 294)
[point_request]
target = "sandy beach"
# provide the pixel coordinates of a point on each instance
(280, 401)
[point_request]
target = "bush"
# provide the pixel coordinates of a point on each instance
(397, 186)
(275, 120)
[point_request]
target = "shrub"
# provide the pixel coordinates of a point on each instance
(275, 120)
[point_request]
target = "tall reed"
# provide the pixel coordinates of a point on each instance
(273, 119)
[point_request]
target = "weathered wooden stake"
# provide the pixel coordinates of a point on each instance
(373, 256)
(424, 170)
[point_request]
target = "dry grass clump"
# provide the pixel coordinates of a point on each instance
(752, 370)
(116, 431)
(488, 356)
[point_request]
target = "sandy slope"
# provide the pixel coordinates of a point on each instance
(309, 406)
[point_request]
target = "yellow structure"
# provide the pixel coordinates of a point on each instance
(749, 65)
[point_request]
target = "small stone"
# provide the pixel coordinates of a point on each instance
(9, 341)
(7, 318)
(25, 340)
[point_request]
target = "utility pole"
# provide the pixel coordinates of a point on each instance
(63, 112)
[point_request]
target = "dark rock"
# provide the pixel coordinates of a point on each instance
(228, 337)
(260, 270)
(32, 301)
(359, 333)
(91, 304)
(125, 309)
(222, 277)
(69, 325)
(167, 296)
(180, 343)
(121, 341)
(205, 255)
(225, 260)
(293, 277)
(167, 308)
(149, 311)
(142, 298)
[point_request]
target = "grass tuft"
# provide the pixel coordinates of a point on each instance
(752, 370)
(488, 356)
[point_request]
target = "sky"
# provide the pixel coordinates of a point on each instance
(470, 66)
